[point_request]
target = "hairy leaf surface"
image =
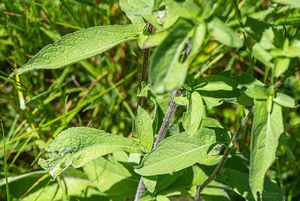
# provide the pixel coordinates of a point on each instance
(183, 150)
(266, 129)
(257, 92)
(143, 128)
(167, 72)
(80, 45)
(137, 7)
(215, 83)
(194, 113)
(77, 146)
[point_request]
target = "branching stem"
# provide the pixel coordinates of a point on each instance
(224, 158)
(160, 136)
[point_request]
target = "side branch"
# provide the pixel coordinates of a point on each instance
(224, 158)
(160, 136)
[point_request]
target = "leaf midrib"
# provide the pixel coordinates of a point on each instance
(177, 156)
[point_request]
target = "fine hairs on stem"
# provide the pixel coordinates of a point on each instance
(160, 136)
(146, 54)
(170, 112)
(224, 158)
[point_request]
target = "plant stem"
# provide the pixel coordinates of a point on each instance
(146, 54)
(140, 190)
(160, 136)
(170, 112)
(224, 158)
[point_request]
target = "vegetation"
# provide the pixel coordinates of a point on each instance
(150, 100)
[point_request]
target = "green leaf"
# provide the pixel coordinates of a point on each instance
(80, 45)
(158, 183)
(167, 12)
(224, 34)
(111, 177)
(155, 39)
(192, 176)
(137, 7)
(150, 183)
(256, 28)
(293, 3)
(215, 88)
(167, 72)
(284, 100)
(194, 114)
(257, 92)
(243, 99)
(262, 55)
(271, 39)
(77, 146)
(182, 100)
(238, 180)
(139, 22)
(143, 128)
(292, 51)
(162, 198)
(215, 83)
(182, 150)
(266, 129)
(198, 38)
(164, 181)
(147, 197)
(161, 106)
(215, 192)
(281, 65)
(247, 81)
(186, 9)
(211, 102)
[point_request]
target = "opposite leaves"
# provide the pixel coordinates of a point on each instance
(80, 45)
(77, 146)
